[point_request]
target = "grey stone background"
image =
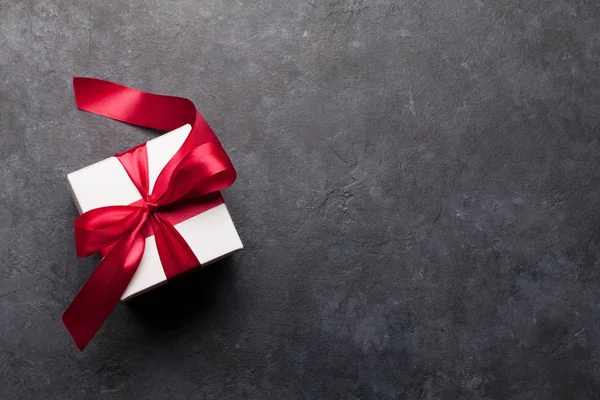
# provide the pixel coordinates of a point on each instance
(418, 195)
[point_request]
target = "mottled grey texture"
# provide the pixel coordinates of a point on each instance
(418, 194)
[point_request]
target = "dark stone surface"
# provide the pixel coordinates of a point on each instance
(418, 194)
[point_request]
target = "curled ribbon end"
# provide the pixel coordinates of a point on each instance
(77, 82)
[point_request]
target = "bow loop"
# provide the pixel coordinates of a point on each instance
(102, 227)
(206, 169)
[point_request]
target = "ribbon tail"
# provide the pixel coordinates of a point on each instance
(175, 253)
(133, 106)
(103, 290)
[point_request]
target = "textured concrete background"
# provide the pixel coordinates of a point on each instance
(418, 194)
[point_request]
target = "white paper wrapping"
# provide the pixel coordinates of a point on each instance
(211, 235)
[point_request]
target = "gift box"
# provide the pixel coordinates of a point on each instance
(154, 211)
(210, 234)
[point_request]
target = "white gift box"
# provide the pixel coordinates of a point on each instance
(211, 234)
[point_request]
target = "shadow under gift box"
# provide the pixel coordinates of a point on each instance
(211, 234)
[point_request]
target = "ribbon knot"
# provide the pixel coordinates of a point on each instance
(199, 170)
(150, 206)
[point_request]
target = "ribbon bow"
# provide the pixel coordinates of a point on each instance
(190, 181)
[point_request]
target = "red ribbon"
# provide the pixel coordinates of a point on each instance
(187, 185)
